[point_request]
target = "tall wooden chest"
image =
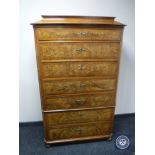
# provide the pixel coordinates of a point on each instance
(78, 61)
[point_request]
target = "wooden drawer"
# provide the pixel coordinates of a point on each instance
(68, 34)
(74, 69)
(79, 101)
(69, 117)
(92, 50)
(79, 131)
(77, 86)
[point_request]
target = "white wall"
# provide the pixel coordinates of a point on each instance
(30, 11)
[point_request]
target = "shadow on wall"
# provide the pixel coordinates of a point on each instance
(125, 81)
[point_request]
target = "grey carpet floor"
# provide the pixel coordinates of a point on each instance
(31, 140)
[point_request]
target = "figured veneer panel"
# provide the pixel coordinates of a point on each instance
(77, 86)
(78, 34)
(69, 117)
(72, 69)
(79, 101)
(78, 50)
(79, 131)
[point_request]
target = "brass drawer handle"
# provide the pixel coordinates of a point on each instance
(82, 85)
(81, 49)
(80, 114)
(81, 33)
(81, 67)
(78, 130)
(79, 101)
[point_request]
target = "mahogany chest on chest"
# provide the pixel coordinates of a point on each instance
(78, 62)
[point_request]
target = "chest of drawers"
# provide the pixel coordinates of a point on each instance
(78, 61)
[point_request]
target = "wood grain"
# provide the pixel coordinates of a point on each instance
(68, 117)
(81, 130)
(72, 69)
(79, 101)
(77, 86)
(78, 50)
(78, 34)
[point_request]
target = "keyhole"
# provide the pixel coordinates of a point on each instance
(81, 67)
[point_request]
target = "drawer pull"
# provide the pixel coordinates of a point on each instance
(81, 33)
(80, 114)
(81, 49)
(81, 67)
(82, 85)
(78, 130)
(79, 101)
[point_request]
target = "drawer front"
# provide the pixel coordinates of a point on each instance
(78, 50)
(78, 34)
(69, 117)
(73, 69)
(79, 131)
(77, 86)
(79, 101)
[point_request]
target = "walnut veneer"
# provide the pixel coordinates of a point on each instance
(78, 61)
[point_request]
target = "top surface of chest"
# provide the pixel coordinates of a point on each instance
(78, 20)
(78, 28)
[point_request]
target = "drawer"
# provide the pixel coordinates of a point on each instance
(77, 86)
(79, 101)
(69, 117)
(68, 34)
(79, 131)
(74, 69)
(92, 50)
